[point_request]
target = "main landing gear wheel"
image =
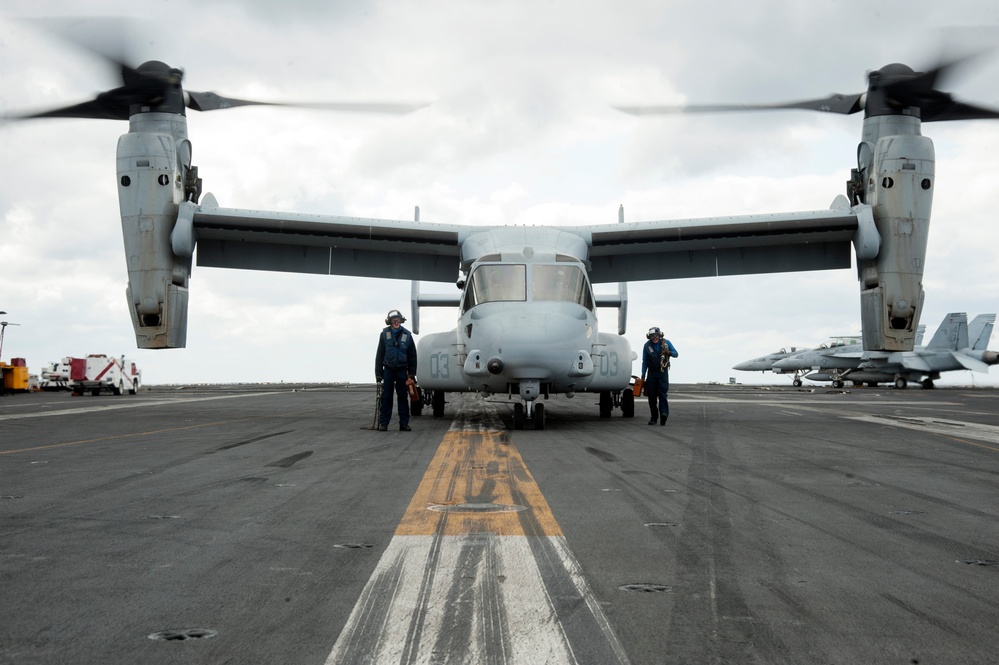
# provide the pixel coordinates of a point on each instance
(901, 383)
(539, 416)
(606, 404)
(796, 383)
(518, 416)
(438, 403)
(628, 404)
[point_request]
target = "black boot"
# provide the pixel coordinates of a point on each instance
(662, 419)
(652, 420)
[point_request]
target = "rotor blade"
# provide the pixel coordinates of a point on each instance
(959, 111)
(140, 88)
(835, 103)
(936, 75)
(107, 38)
(210, 101)
(94, 109)
(935, 105)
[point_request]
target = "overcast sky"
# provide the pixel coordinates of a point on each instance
(520, 132)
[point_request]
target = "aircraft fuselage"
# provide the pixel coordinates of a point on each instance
(528, 326)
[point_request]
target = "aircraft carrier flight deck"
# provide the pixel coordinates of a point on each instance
(272, 524)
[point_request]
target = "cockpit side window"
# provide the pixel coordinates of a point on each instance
(564, 283)
(496, 283)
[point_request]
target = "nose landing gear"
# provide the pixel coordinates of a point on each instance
(523, 411)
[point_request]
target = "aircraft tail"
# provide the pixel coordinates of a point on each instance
(980, 331)
(952, 333)
(428, 300)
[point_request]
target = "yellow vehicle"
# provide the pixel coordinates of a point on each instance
(15, 375)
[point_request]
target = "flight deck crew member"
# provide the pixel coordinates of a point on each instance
(395, 362)
(655, 364)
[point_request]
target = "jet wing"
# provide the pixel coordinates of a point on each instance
(326, 245)
(914, 360)
(741, 245)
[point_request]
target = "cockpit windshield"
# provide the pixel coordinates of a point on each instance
(565, 283)
(508, 283)
(496, 283)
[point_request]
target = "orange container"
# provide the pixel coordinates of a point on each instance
(637, 390)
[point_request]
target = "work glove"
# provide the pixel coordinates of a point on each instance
(378, 378)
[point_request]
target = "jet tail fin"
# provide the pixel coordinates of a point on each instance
(952, 333)
(980, 331)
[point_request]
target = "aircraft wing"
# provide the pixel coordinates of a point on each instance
(407, 249)
(326, 244)
(913, 360)
(740, 245)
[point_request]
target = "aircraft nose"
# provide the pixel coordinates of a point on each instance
(537, 342)
(745, 366)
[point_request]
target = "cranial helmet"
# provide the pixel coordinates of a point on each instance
(654, 330)
(394, 314)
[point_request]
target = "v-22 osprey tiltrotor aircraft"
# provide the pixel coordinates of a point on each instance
(527, 324)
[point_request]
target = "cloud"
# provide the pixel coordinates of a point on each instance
(520, 132)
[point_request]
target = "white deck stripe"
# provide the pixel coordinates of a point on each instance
(956, 428)
(130, 404)
(461, 611)
(476, 598)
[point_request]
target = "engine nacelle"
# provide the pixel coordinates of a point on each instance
(898, 166)
(150, 190)
(439, 364)
(612, 357)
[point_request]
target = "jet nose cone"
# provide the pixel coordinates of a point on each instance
(744, 366)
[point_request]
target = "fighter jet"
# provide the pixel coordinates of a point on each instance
(764, 363)
(948, 350)
(795, 363)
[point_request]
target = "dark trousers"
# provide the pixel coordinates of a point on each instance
(394, 380)
(657, 386)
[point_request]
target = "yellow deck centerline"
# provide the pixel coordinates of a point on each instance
(478, 467)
